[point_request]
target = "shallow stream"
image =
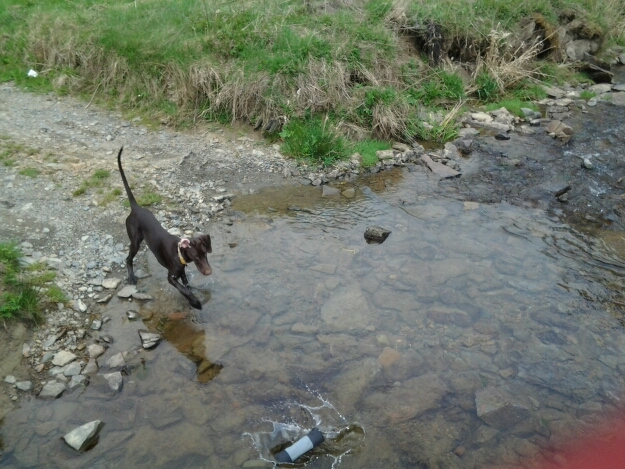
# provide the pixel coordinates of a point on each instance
(384, 347)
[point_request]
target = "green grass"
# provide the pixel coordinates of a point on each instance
(97, 180)
(180, 60)
(110, 196)
(20, 297)
(512, 105)
(368, 149)
(313, 140)
(145, 199)
(30, 172)
(586, 94)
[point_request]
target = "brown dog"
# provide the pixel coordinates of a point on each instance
(171, 252)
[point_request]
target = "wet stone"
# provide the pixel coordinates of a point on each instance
(114, 380)
(346, 309)
(376, 234)
(52, 389)
(85, 436)
(450, 316)
(149, 339)
(91, 367)
(132, 315)
(96, 324)
(116, 362)
(127, 291)
(78, 380)
(388, 357)
(349, 193)
(499, 409)
(329, 191)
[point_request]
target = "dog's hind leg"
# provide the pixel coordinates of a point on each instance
(136, 237)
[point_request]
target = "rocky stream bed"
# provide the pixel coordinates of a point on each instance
(566, 160)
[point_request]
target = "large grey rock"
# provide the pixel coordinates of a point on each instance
(52, 389)
(63, 357)
(498, 408)
(85, 436)
(149, 339)
(91, 367)
(346, 309)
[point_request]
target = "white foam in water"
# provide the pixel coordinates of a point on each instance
(326, 417)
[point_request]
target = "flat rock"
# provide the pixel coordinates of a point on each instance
(347, 308)
(414, 397)
(72, 369)
(114, 380)
(104, 298)
(329, 191)
(63, 357)
(52, 389)
(554, 92)
(351, 383)
(85, 436)
(385, 154)
(149, 339)
(304, 328)
(91, 367)
(142, 296)
(349, 193)
(329, 269)
(439, 168)
(116, 362)
(127, 291)
(111, 283)
(499, 409)
(95, 350)
(10, 379)
(449, 316)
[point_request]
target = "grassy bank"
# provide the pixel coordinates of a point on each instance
(24, 291)
(358, 65)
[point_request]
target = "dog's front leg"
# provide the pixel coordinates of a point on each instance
(185, 291)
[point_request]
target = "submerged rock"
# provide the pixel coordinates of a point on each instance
(114, 380)
(127, 291)
(499, 409)
(149, 339)
(85, 436)
(375, 234)
(52, 389)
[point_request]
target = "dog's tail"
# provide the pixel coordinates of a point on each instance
(131, 198)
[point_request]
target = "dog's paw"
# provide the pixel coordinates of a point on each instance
(195, 303)
(132, 280)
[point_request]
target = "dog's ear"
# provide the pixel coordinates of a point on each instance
(206, 241)
(184, 243)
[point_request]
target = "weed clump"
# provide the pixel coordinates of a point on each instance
(313, 140)
(23, 291)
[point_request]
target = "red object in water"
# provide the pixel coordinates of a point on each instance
(603, 448)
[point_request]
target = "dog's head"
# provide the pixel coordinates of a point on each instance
(196, 250)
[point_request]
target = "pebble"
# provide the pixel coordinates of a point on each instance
(127, 291)
(24, 385)
(83, 437)
(114, 380)
(95, 350)
(10, 379)
(52, 389)
(111, 283)
(96, 324)
(149, 339)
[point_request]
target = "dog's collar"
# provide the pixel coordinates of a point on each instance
(180, 256)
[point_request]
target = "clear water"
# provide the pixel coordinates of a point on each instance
(384, 347)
